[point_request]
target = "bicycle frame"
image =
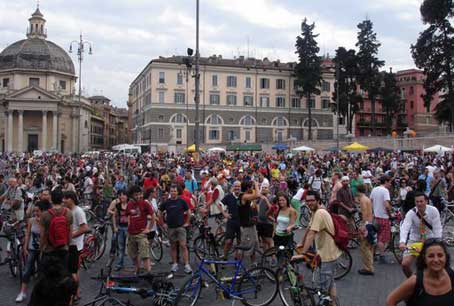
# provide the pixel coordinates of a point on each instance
(238, 268)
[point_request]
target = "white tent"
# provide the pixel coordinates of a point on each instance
(216, 149)
(438, 149)
(303, 148)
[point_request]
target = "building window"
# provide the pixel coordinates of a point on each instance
(325, 103)
(160, 133)
(412, 90)
(311, 103)
(412, 105)
(280, 101)
(248, 82)
(280, 121)
(231, 99)
(214, 80)
(179, 118)
(213, 135)
(179, 133)
(248, 101)
(341, 120)
(231, 81)
(230, 135)
(264, 101)
(247, 135)
(264, 83)
(248, 120)
(148, 99)
(361, 105)
(86, 124)
(280, 84)
(214, 99)
(33, 82)
(5, 82)
(402, 93)
(179, 98)
(62, 84)
(326, 86)
(214, 120)
(162, 77)
(296, 102)
(161, 97)
(179, 78)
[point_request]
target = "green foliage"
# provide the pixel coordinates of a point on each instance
(434, 53)
(391, 101)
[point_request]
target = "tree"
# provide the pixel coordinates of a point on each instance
(346, 76)
(434, 54)
(391, 101)
(308, 71)
(369, 77)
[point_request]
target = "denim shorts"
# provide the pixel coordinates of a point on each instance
(327, 270)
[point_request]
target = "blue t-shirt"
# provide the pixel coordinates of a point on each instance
(428, 180)
(191, 185)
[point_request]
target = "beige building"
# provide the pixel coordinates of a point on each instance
(241, 100)
(38, 107)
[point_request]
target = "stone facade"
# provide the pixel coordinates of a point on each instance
(241, 100)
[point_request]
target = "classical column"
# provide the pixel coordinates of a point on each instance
(44, 132)
(55, 131)
(20, 132)
(9, 141)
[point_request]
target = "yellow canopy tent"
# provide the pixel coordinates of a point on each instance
(355, 147)
(191, 149)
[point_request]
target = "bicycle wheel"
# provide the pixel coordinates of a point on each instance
(305, 216)
(3, 247)
(100, 245)
(189, 293)
(156, 249)
(204, 248)
(256, 288)
(344, 265)
(14, 261)
(292, 296)
(394, 245)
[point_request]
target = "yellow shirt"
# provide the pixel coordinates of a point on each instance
(320, 223)
(275, 173)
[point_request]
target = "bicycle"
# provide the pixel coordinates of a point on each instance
(12, 242)
(245, 285)
(292, 289)
(446, 216)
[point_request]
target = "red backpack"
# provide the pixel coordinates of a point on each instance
(58, 228)
(340, 236)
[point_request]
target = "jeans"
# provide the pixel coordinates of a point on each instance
(33, 256)
(121, 240)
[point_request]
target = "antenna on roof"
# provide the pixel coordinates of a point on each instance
(37, 4)
(248, 46)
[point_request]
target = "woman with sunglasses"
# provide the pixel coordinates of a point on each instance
(433, 284)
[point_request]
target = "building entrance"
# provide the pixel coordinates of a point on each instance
(32, 142)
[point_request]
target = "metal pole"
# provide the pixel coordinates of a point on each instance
(197, 81)
(79, 51)
(337, 107)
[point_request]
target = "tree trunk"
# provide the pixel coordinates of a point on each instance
(309, 108)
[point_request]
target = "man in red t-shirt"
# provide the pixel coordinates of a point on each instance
(140, 221)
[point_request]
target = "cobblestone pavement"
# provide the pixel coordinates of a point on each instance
(353, 290)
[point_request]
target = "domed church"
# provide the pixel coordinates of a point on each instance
(39, 109)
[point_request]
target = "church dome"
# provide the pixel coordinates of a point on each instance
(36, 52)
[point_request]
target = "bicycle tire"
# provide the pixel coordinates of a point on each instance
(254, 276)
(189, 293)
(343, 265)
(156, 249)
(14, 262)
(20, 263)
(394, 245)
(101, 245)
(305, 297)
(204, 248)
(3, 254)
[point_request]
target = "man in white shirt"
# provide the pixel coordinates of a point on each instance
(79, 228)
(367, 175)
(381, 202)
(422, 223)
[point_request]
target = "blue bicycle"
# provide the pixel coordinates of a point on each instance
(254, 287)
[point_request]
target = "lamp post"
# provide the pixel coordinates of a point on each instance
(80, 53)
(197, 81)
(337, 106)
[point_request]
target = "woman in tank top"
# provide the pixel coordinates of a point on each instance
(117, 209)
(31, 247)
(433, 283)
(285, 222)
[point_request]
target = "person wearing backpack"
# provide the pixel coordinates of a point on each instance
(322, 230)
(433, 283)
(316, 182)
(56, 229)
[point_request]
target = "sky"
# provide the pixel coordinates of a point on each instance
(127, 34)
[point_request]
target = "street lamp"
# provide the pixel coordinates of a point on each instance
(197, 81)
(80, 52)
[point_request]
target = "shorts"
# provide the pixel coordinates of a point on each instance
(408, 252)
(232, 231)
(73, 259)
(265, 230)
(177, 234)
(249, 239)
(384, 230)
(327, 270)
(138, 246)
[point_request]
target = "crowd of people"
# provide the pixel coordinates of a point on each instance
(260, 196)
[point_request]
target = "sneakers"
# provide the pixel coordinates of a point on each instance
(174, 268)
(187, 269)
(365, 272)
(21, 297)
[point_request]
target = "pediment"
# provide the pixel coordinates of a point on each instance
(32, 93)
